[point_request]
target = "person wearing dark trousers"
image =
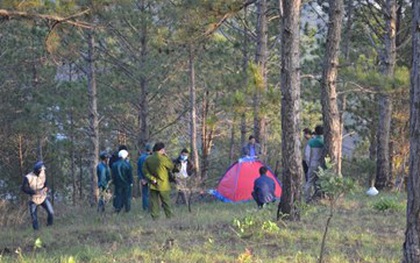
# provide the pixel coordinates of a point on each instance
(142, 178)
(35, 185)
(307, 135)
(264, 188)
(104, 178)
(122, 176)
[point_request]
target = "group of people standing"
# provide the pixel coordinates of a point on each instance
(312, 160)
(155, 171)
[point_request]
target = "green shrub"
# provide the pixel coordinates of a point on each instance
(388, 204)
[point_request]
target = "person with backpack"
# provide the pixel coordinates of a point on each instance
(35, 185)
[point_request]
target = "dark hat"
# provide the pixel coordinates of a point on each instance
(122, 147)
(148, 147)
(103, 155)
(307, 131)
(185, 150)
(38, 165)
(158, 146)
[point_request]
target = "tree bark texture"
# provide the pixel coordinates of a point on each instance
(93, 119)
(385, 104)
(245, 64)
(207, 136)
(261, 62)
(292, 171)
(330, 113)
(144, 84)
(348, 30)
(412, 234)
(193, 112)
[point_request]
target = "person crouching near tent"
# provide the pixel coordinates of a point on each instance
(264, 188)
(35, 185)
(183, 169)
(156, 168)
(122, 177)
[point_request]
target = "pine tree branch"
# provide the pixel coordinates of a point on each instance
(57, 19)
(226, 16)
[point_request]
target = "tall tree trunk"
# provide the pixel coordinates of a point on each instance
(207, 136)
(290, 106)
(232, 140)
(93, 120)
(144, 83)
(348, 30)
(261, 62)
(245, 64)
(20, 153)
(193, 112)
(81, 183)
(412, 233)
(72, 158)
(72, 143)
(385, 103)
(330, 113)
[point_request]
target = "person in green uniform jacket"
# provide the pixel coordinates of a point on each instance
(122, 177)
(156, 169)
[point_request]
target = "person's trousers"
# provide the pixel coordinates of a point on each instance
(157, 197)
(122, 198)
(33, 209)
(259, 204)
(311, 183)
(145, 196)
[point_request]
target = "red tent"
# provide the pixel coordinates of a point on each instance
(238, 182)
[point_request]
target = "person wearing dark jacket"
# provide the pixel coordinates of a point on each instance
(122, 177)
(252, 149)
(264, 188)
(114, 157)
(183, 169)
(104, 178)
(35, 185)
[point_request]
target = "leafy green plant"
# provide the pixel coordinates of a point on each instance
(333, 186)
(255, 225)
(388, 204)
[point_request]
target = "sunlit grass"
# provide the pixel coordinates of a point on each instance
(358, 233)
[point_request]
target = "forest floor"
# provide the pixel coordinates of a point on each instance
(363, 229)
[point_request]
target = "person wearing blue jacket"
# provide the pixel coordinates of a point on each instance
(264, 188)
(104, 177)
(142, 178)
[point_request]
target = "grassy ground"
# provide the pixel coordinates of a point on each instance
(363, 229)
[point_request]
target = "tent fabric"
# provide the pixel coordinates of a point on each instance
(237, 184)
